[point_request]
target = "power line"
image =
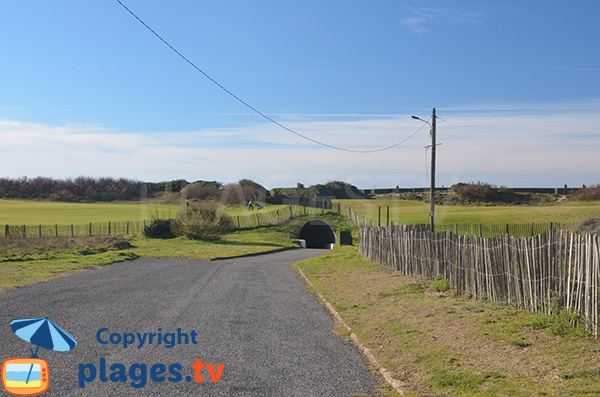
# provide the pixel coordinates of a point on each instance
(192, 64)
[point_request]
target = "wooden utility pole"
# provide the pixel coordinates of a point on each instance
(432, 190)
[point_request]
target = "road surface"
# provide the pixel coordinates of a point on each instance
(252, 315)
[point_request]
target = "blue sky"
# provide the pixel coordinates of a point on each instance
(87, 90)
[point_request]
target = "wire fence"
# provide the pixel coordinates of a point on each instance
(254, 219)
(466, 229)
(73, 230)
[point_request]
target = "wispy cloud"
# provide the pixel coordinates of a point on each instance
(513, 145)
(419, 19)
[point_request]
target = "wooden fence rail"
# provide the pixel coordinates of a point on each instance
(534, 273)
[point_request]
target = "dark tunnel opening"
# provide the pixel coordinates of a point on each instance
(318, 234)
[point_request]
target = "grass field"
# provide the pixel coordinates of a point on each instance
(412, 211)
(25, 212)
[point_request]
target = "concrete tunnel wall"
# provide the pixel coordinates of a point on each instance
(318, 234)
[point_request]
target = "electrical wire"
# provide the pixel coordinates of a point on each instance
(192, 64)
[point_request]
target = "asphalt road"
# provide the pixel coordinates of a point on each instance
(252, 315)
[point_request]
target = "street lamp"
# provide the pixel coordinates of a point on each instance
(432, 189)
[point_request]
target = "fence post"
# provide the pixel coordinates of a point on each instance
(23, 231)
(480, 232)
(109, 228)
(339, 209)
(257, 219)
(40, 231)
(388, 215)
(278, 217)
(90, 228)
(127, 227)
(56, 229)
(6, 230)
(291, 212)
(72, 234)
(531, 229)
(238, 220)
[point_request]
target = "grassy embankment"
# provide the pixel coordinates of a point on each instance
(437, 343)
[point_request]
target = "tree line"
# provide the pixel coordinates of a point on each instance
(104, 189)
(80, 189)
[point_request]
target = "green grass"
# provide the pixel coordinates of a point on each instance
(25, 212)
(413, 211)
(242, 210)
(26, 261)
(239, 243)
(437, 343)
(28, 212)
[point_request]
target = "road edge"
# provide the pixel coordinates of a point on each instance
(387, 375)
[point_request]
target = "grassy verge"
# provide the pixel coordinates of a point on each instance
(439, 344)
(26, 261)
(239, 243)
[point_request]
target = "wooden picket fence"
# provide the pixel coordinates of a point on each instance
(539, 273)
(259, 218)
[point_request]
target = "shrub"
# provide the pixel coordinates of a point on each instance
(204, 223)
(588, 225)
(586, 193)
(473, 192)
(159, 228)
(441, 285)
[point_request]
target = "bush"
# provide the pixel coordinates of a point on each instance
(159, 228)
(586, 194)
(473, 192)
(203, 223)
(588, 225)
(441, 285)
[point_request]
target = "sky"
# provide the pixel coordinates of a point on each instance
(88, 90)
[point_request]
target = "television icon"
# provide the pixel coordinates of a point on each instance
(25, 376)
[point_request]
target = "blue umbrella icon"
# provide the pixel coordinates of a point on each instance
(42, 332)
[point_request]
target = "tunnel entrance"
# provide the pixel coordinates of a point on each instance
(318, 234)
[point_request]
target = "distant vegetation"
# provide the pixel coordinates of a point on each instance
(482, 192)
(586, 194)
(88, 189)
(80, 189)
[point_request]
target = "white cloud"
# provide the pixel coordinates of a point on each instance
(506, 145)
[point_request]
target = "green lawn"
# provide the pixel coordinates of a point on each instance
(412, 211)
(26, 212)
